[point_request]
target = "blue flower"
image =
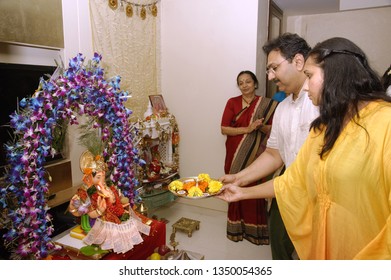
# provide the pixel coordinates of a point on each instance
(81, 89)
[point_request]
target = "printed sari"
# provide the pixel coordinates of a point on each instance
(247, 219)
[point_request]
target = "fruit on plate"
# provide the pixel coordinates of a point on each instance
(155, 256)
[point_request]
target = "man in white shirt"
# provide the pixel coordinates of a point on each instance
(291, 122)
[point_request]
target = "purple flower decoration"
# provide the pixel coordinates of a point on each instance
(80, 90)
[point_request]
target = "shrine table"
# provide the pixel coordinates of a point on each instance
(156, 238)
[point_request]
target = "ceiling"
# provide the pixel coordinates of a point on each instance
(305, 7)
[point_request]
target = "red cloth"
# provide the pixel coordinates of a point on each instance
(156, 238)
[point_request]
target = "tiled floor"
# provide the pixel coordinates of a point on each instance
(210, 240)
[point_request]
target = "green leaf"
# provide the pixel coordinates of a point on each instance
(91, 250)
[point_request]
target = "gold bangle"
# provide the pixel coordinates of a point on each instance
(73, 210)
(97, 211)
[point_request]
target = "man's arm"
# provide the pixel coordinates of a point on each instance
(268, 162)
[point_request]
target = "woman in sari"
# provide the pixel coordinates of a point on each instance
(246, 122)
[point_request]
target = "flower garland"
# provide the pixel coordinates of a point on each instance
(80, 89)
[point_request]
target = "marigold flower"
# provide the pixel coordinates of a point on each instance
(195, 191)
(204, 177)
(214, 186)
(176, 185)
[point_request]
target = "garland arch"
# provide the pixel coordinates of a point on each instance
(81, 89)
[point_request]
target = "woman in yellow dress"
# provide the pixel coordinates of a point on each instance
(343, 170)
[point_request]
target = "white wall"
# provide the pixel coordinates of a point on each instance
(205, 44)
(369, 29)
(77, 28)
(77, 39)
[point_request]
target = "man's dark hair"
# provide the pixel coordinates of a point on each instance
(288, 44)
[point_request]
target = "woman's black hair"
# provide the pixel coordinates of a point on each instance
(348, 79)
(253, 77)
(386, 79)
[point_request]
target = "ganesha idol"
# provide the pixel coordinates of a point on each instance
(105, 214)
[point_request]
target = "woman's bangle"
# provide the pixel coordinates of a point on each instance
(73, 210)
(97, 211)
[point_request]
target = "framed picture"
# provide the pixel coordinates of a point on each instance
(158, 104)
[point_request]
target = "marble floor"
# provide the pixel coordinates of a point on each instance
(210, 240)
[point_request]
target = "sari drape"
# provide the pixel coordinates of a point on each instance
(247, 219)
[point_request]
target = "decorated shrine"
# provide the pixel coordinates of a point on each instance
(80, 89)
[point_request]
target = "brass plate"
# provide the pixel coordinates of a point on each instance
(184, 194)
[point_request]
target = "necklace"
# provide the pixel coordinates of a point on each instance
(248, 103)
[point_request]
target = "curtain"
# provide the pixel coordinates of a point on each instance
(130, 48)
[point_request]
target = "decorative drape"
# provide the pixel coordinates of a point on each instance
(130, 47)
